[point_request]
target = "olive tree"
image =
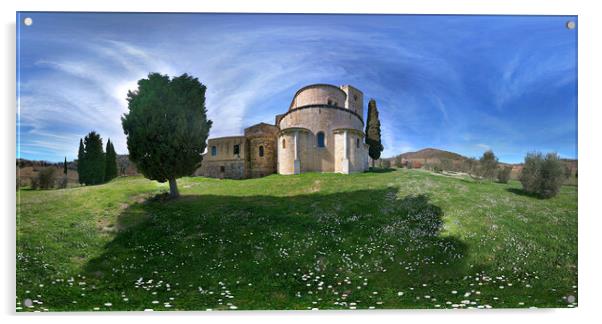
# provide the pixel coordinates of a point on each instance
(542, 175)
(488, 163)
(503, 174)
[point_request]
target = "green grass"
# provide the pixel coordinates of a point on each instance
(400, 239)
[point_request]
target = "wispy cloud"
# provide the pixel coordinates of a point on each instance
(73, 96)
(534, 70)
(435, 83)
(483, 147)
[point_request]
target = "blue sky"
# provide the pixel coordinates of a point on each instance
(460, 83)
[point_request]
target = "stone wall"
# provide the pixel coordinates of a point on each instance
(224, 147)
(225, 164)
(313, 120)
(319, 94)
(262, 137)
(354, 159)
(314, 109)
(223, 169)
(354, 100)
(261, 166)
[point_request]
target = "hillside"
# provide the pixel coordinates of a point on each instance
(27, 169)
(396, 239)
(432, 153)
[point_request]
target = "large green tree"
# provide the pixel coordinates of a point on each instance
(94, 159)
(110, 162)
(167, 127)
(373, 132)
(81, 163)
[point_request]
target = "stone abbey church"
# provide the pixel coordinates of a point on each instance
(322, 131)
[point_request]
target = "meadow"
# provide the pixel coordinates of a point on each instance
(385, 239)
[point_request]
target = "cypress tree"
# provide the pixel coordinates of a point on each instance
(373, 132)
(65, 166)
(81, 163)
(111, 162)
(167, 127)
(95, 159)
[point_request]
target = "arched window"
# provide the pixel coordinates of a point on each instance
(213, 151)
(261, 151)
(236, 149)
(357, 142)
(283, 143)
(321, 139)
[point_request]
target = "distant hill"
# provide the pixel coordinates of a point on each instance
(429, 156)
(22, 163)
(432, 154)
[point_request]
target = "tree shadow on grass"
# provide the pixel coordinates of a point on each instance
(380, 170)
(521, 192)
(267, 243)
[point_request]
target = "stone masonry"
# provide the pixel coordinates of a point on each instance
(322, 131)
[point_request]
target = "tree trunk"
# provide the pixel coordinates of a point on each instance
(173, 188)
(373, 163)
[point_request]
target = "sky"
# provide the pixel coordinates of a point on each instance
(460, 83)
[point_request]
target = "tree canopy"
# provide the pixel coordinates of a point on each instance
(373, 132)
(81, 153)
(110, 162)
(91, 160)
(488, 163)
(166, 127)
(542, 175)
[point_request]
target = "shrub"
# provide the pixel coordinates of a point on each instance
(437, 168)
(488, 165)
(567, 172)
(34, 183)
(46, 178)
(62, 182)
(469, 165)
(475, 169)
(542, 176)
(385, 164)
(447, 164)
(503, 174)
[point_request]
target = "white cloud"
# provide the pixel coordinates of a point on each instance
(483, 147)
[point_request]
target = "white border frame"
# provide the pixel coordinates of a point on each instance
(590, 105)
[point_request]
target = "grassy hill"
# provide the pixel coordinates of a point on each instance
(400, 239)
